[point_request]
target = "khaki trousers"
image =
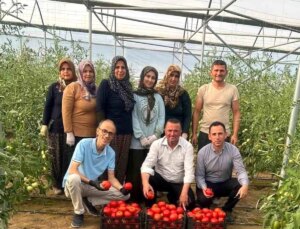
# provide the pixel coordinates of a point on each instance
(75, 189)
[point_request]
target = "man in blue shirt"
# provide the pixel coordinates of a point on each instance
(92, 156)
(215, 163)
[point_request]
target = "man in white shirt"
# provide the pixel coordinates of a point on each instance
(173, 159)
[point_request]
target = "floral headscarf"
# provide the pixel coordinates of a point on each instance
(89, 88)
(61, 82)
(149, 92)
(170, 95)
(122, 87)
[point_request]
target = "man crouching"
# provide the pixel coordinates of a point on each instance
(92, 156)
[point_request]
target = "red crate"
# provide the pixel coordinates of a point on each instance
(160, 224)
(193, 224)
(121, 223)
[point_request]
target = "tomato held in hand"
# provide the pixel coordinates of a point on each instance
(209, 192)
(105, 184)
(128, 186)
(150, 195)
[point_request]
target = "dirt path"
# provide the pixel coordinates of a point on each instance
(50, 212)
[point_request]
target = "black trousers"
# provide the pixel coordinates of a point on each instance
(203, 140)
(227, 188)
(135, 160)
(174, 190)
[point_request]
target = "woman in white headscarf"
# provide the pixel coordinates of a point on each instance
(79, 105)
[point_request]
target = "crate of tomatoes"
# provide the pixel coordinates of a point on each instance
(165, 216)
(206, 218)
(118, 214)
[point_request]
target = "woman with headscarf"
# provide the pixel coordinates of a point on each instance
(177, 100)
(148, 118)
(52, 124)
(79, 105)
(115, 102)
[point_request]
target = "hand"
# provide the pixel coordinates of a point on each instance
(194, 139)
(243, 192)
(151, 139)
(44, 131)
(96, 185)
(207, 192)
(144, 142)
(124, 191)
(183, 200)
(70, 139)
(234, 139)
(184, 135)
(147, 188)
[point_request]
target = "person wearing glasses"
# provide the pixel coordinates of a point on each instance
(93, 156)
(177, 100)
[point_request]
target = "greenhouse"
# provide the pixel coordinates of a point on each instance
(258, 39)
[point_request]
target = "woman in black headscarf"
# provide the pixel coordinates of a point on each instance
(115, 102)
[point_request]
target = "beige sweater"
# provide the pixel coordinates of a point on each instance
(79, 114)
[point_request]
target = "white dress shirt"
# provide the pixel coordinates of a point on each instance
(174, 165)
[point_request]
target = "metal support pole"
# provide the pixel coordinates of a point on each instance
(90, 33)
(292, 126)
(115, 31)
(182, 55)
(203, 45)
(45, 42)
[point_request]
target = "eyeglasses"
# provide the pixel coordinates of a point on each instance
(106, 132)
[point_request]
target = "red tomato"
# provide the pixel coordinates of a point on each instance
(190, 214)
(119, 214)
(161, 203)
(127, 186)
(172, 207)
(113, 204)
(105, 184)
(166, 212)
(157, 216)
(214, 221)
(113, 215)
(180, 216)
(179, 210)
(150, 213)
(218, 209)
(221, 214)
(166, 219)
(198, 216)
(122, 208)
(209, 192)
(205, 210)
(196, 209)
(173, 217)
(156, 209)
(205, 220)
(127, 214)
(121, 202)
(150, 195)
(221, 219)
(134, 205)
(107, 211)
(208, 215)
(131, 209)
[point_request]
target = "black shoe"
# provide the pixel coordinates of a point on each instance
(229, 218)
(77, 221)
(89, 207)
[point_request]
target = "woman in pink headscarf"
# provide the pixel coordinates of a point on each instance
(79, 105)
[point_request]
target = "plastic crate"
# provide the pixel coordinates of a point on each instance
(192, 224)
(160, 224)
(122, 223)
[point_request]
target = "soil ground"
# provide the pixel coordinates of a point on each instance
(55, 212)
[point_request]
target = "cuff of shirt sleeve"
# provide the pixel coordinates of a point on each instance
(147, 170)
(188, 179)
